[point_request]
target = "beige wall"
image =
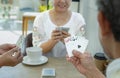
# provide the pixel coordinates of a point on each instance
(88, 9)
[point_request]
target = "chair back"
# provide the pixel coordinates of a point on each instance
(28, 42)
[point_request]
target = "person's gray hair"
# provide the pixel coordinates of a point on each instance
(111, 10)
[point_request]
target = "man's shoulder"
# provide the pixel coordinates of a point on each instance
(113, 69)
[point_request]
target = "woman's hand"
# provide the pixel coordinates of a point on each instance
(64, 35)
(11, 58)
(56, 35)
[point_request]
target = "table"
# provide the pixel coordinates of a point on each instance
(26, 17)
(63, 69)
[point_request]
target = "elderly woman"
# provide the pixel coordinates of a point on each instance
(45, 34)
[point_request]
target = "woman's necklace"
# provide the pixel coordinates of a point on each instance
(60, 20)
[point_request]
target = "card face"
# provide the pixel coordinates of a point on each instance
(75, 43)
(48, 72)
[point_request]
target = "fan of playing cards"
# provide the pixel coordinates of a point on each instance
(75, 43)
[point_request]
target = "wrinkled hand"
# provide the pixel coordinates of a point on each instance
(56, 35)
(11, 58)
(83, 62)
(6, 47)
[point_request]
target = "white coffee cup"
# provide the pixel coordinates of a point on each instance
(34, 53)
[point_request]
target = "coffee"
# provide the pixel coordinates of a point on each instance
(100, 61)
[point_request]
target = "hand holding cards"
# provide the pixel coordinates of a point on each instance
(75, 43)
(63, 29)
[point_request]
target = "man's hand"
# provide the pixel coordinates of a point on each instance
(6, 47)
(83, 62)
(11, 58)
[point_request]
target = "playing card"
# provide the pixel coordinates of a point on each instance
(65, 29)
(59, 28)
(81, 44)
(62, 29)
(75, 43)
(48, 73)
(69, 43)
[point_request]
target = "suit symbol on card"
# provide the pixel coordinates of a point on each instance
(73, 38)
(75, 42)
(79, 46)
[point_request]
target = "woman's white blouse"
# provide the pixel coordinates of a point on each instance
(43, 26)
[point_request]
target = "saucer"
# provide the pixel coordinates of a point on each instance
(42, 60)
